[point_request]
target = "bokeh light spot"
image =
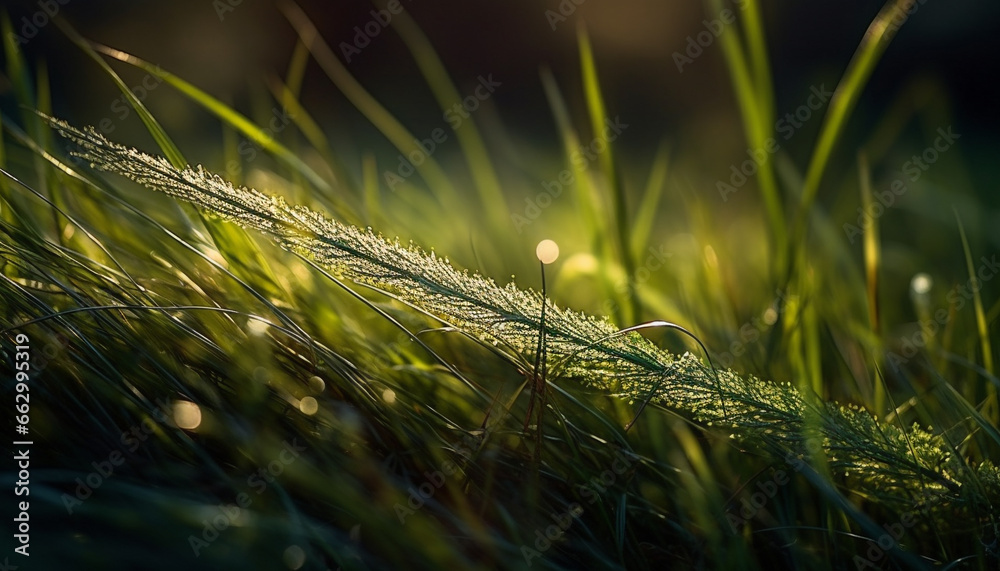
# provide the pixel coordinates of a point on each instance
(294, 557)
(187, 415)
(547, 251)
(308, 405)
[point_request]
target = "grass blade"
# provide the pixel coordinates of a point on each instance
(845, 97)
(227, 114)
(645, 216)
(379, 116)
(469, 139)
(872, 255)
(991, 410)
(757, 122)
(235, 245)
(619, 209)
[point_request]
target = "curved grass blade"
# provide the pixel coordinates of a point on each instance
(223, 112)
(645, 216)
(991, 409)
(758, 123)
(469, 139)
(619, 209)
(379, 116)
(873, 45)
(233, 242)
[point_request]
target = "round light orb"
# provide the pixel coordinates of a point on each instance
(389, 396)
(316, 384)
(187, 415)
(921, 283)
(547, 251)
(295, 557)
(308, 406)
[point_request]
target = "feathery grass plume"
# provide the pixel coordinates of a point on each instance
(906, 469)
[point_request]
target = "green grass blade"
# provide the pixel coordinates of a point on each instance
(876, 456)
(645, 216)
(872, 256)
(4, 189)
(161, 137)
(586, 194)
(389, 126)
(373, 209)
(297, 68)
(757, 124)
(845, 97)
(288, 98)
(45, 175)
(619, 208)
(990, 408)
(586, 197)
(757, 47)
(17, 69)
(469, 139)
(302, 119)
(25, 90)
(227, 114)
(235, 245)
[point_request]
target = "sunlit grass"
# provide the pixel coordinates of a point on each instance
(230, 349)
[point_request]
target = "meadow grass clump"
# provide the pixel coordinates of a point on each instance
(263, 418)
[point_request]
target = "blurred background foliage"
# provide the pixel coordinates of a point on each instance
(375, 410)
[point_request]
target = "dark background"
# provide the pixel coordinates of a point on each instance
(947, 47)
